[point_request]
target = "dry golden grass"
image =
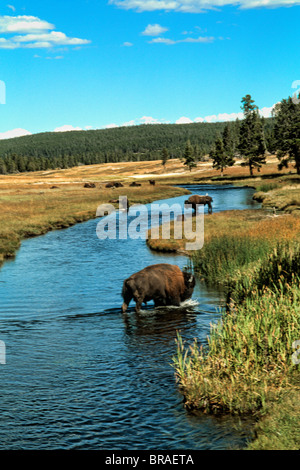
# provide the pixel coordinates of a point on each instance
(258, 224)
(30, 205)
(174, 170)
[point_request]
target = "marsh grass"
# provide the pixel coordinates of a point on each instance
(267, 186)
(246, 365)
(235, 242)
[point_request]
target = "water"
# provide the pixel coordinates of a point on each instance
(81, 375)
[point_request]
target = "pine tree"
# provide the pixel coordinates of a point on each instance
(252, 142)
(188, 156)
(221, 158)
(287, 133)
(164, 156)
(3, 168)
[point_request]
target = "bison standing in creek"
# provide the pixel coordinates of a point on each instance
(196, 199)
(166, 284)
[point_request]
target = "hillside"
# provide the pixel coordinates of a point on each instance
(52, 150)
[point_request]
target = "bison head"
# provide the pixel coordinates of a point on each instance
(189, 281)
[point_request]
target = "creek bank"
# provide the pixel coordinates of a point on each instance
(38, 213)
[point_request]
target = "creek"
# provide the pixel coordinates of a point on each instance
(81, 375)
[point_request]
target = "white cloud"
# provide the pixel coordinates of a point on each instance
(23, 24)
(14, 133)
(198, 6)
(11, 7)
(225, 117)
(154, 30)
(200, 39)
(111, 126)
(127, 44)
(267, 112)
(183, 120)
(32, 33)
(149, 120)
(129, 123)
(162, 41)
(53, 38)
(67, 128)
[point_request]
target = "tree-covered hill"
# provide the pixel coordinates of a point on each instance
(134, 143)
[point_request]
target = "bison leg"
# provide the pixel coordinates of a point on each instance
(209, 208)
(175, 300)
(127, 296)
(138, 304)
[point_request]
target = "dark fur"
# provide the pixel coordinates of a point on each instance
(166, 284)
(196, 199)
(114, 184)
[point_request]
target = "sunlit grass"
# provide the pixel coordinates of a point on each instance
(247, 365)
(29, 210)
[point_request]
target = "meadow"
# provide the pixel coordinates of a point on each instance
(34, 203)
(246, 366)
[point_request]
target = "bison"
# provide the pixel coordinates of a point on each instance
(166, 284)
(152, 182)
(134, 183)
(196, 199)
(114, 184)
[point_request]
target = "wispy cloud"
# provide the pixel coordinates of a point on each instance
(198, 6)
(154, 30)
(67, 128)
(31, 32)
(200, 39)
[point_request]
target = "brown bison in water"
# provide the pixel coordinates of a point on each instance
(196, 199)
(166, 284)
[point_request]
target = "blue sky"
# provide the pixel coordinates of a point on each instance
(91, 64)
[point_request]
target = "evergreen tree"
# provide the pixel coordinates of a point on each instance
(287, 133)
(229, 144)
(164, 156)
(188, 156)
(221, 157)
(252, 143)
(3, 168)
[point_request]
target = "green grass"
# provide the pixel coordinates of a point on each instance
(280, 430)
(247, 366)
(265, 187)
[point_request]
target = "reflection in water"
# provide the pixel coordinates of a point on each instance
(78, 373)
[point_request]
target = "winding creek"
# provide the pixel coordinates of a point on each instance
(78, 373)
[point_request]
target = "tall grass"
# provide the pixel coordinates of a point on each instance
(265, 187)
(227, 253)
(247, 363)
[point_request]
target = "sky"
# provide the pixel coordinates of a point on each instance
(94, 64)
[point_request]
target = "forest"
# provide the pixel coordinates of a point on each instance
(52, 150)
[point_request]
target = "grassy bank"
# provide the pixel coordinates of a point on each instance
(31, 205)
(247, 366)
